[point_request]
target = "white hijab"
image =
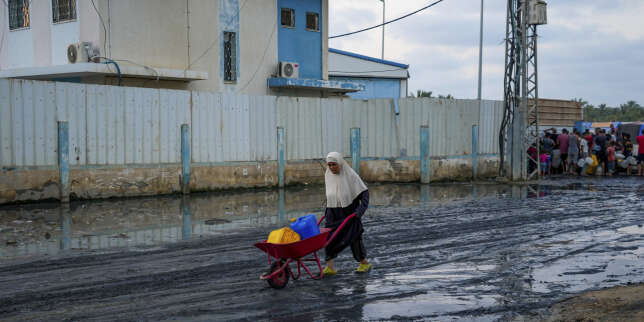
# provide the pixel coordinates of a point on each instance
(344, 187)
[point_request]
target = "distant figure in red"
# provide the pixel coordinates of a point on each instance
(640, 154)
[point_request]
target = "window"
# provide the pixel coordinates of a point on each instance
(312, 21)
(230, 48)
(18, 14)
(63, 10)
(288, 18)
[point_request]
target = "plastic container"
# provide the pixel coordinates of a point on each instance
(306, 226)
(283, 236)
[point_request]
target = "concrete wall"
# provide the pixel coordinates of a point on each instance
(126, 141)
(20, 184)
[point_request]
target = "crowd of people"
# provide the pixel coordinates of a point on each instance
(598, 152)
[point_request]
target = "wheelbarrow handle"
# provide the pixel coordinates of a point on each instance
(346, 220)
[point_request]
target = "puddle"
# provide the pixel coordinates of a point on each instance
(596, 259)
(48, 229)
(444, 252)
(427, 305)
(632, 230)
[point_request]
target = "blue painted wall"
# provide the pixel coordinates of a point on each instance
(298, 44)
(228, 21)
(374, 87)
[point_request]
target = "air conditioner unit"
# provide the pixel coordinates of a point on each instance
(289, 69)
(77, 53)
(82, 52)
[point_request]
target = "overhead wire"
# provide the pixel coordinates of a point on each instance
(388, 22)
(270, 38)
(104, 29)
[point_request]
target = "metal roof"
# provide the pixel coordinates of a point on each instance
(377, 60)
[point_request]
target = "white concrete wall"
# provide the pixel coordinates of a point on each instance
(45, 43)
(343, 65)
(158, 33)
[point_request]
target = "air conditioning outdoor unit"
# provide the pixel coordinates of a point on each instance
(82, 52)
(289, 69)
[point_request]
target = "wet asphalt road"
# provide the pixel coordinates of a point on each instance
(451, 252)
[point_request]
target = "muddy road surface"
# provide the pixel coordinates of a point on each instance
(448, 252)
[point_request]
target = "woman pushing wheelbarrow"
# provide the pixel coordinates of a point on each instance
(347, 200)
(346, 194)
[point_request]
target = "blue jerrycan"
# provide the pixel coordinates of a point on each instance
(306, 226)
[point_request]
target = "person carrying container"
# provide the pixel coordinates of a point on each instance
(346, 194)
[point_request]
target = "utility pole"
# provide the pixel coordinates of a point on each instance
(520, 124)
(382, 54)
(480, 55)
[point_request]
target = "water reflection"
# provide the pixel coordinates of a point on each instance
(186, 232)
(38, 229)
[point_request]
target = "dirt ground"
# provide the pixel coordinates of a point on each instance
(622, 303)
(453, 252)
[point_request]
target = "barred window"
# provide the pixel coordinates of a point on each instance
(288, 17)
(63, 10)
(312, 21)
(230, 48)
(18, 14)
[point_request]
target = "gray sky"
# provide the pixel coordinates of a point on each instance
(593, 49)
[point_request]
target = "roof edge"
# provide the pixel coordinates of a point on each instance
(373, 59)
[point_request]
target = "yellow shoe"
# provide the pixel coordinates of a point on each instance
(363, 268)
(328, 271)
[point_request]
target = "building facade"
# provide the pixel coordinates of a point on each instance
(222, 46)
(379, 78)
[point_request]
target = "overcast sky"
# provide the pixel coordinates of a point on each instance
(592, 49)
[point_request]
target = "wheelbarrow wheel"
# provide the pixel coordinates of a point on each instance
(280, 280)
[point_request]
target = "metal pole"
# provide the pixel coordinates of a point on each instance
(355, 149)
(425, 161)
(281, 157)
(523, 173)
(475, 127)
(480, 54)
(382, 55)
(63, 161)
(185, 159)
(475, 150)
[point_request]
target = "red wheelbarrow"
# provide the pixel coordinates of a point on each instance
(280, 271)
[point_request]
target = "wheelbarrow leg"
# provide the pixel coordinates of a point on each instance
(317, 260)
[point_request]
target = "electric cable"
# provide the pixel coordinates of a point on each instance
(118, 69)
(104, 29)
(156, 73)
(388, 22)
(270, 38)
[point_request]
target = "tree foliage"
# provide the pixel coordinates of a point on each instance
(421, 93)
(630, 111)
